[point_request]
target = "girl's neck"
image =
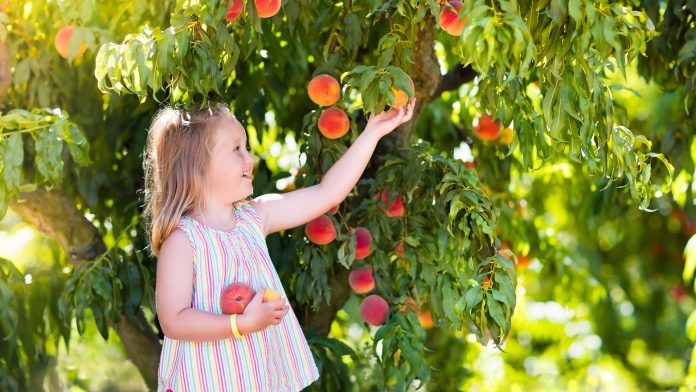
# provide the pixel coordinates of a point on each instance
(220, 218)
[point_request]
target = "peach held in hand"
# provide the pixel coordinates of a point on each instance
(235, 298)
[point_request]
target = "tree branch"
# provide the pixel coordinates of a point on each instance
(454, 78)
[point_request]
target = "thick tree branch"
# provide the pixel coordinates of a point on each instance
(454, 78)
(55, 215)
(320, 321)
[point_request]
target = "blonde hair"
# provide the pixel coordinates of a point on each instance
(177, 154)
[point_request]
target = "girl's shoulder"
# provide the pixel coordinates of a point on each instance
(250, 214)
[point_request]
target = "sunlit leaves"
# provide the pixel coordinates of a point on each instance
(50, 130)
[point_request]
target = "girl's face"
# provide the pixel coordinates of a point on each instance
(231, 164)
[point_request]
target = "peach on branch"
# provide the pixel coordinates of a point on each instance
(235, 10)
(333, 123)
(62, 43)
(324, 90)
(487, 128)
(363, 239)
(361, 280)
(267, 8)
(450, 21)
(395, 209)
(321, 230)
(374, 309)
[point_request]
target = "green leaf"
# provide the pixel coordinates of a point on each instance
(495, 310)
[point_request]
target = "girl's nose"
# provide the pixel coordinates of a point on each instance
(249, 158)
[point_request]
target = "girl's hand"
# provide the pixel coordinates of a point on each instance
(387, 121)
(258, 314)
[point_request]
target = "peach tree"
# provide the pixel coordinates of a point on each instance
(428, 246)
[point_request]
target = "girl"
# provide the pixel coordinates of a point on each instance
(206, 234)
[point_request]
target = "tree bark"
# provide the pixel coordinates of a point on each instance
(142, 346)
(320, 321)
(55, 215)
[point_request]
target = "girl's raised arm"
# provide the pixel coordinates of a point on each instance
(291, 209)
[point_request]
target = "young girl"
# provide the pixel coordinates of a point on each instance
(207, 234)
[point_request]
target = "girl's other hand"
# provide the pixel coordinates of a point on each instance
(388, 120)
(259, 315)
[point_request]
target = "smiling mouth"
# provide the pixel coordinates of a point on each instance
(247, 175)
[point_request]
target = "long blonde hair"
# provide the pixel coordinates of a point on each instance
(176, 156)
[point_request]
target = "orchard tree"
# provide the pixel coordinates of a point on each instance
(428, 248)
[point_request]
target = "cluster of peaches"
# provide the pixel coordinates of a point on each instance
(324, 90)
(374, 308)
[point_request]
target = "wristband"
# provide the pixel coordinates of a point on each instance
(233, 326)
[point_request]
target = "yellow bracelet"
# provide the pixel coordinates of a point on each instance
(233, 326)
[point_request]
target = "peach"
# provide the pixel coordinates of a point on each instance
(487, 283)
(235, 10)
(506, 136)
(400, 96)
(449, 18)
(267, 8)
(62, 43)
(235, 298)
(426, 319)
(470, 165)
(333, 210)
(487, 128)
(522, 261)
(363, 240)
(374, 309)
(399, 250)
(361, 280)
(324, 90)
(333, 123)
(321, 230)
(270, 295)
(395, 209)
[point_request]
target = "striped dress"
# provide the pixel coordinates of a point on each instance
(276, 358)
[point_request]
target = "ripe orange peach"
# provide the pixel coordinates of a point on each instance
(399, 250)
(324, 90)
(400, 96)
(363, 240)
(361, 280)
(506, 136)
(487, 128)
(426, 319)
(449, 18)
(321, 230)
(270, 295)
(267, 8)
(235, 10)
(62, 43)
(333, 123)
(395, 209)
(487, 282)
(374, 309)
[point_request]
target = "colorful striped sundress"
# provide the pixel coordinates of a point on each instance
(276, 358)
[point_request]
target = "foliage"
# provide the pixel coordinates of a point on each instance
(569, 197)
